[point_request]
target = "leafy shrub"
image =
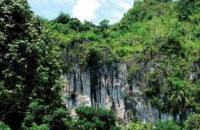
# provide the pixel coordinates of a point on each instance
(3, 126)
(186, 8)
(39, 114)
(94, 118)
(40, 127)
(192, 122)
(139, 126)
(166, 125)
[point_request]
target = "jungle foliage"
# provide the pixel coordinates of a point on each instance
(159, 34)
(30, 67)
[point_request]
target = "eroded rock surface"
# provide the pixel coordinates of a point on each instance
(107, 86)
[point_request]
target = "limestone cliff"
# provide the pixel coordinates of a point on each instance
(108, 86)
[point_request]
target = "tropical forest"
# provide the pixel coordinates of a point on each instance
(140, 73)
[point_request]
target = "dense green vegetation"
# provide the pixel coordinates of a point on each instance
(91, 118)
(4, 126)
(166, 125)
(30, 68)
(163, 35)
(159, 34)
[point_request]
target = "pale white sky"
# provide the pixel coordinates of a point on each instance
(90, 10)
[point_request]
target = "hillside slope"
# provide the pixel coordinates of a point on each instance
(141, 73)
(159, 41)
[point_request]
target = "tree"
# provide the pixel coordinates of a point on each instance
(63, 18)
(104, 24)
(29, 63)
(76, 25)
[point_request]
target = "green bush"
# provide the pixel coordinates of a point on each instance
(3, 126)
(166, 125)
(139, 126)
(40, 127)
(192, 122)
(95, 118)
(39, 114)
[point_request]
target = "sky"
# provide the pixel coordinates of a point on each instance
(89, 10)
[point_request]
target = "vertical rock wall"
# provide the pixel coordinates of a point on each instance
(103, 87)
(107, 86)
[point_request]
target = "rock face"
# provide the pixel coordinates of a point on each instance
(195, 71)
(102, 87)
(108, 86)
